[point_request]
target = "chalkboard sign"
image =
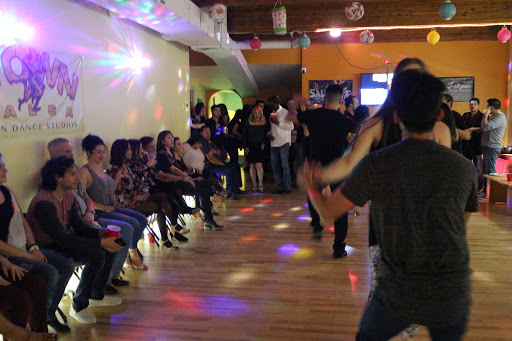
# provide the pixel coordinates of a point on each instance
(461, 88)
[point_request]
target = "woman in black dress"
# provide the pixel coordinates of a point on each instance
(255, 135)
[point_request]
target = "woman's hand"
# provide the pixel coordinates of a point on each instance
(10, 270)
(3, 282)
(142, 197)
(109, 209)
(262, 146)
(190, 181)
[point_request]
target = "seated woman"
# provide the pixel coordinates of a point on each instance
(101, 187)
(168, 177)
(203, 190)
(132, 191)
(23, 297)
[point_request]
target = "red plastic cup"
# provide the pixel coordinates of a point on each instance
(273, 116)
(509, 176)
(113, 231)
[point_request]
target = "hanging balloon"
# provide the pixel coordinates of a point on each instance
(504, 34)
(255, 43)
(304, 41)
(433, 37)
(354, 11)
(279, 20)
(366, 37)
(447, 10)
(218, 12)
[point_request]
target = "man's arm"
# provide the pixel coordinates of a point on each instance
(213, 159)
(46, 214)
(464, 134)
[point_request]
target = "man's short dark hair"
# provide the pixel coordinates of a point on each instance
(475, 99)
(448, 98)
(258, 101)
(53, 170)
(334, 93)
(194, 139)
(349, 100)
(416, 97)
(203, 128)
(494, 102)
(145, 140)
(274, 99)
(214, 106)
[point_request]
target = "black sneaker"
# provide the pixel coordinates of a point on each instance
(119, 282)
(212, 225)
(339, 254)
(279, 191)
(59, 327)
(231, 196)
(239, 191)
(317, 236)
(168, 244)
(110, 290)
(179, 237)
(286, 191)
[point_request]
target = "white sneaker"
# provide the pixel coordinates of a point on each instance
(107, 301)
(83, 316)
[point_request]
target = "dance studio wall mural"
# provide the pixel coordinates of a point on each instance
(317, 90)
(39, 91)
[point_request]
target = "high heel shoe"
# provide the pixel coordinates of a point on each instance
(135, 261)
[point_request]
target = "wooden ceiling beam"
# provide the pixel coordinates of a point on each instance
(306, 15)
(447, 34)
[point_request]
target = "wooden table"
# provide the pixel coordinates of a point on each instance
(499, 190)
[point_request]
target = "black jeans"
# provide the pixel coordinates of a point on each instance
(340, 228)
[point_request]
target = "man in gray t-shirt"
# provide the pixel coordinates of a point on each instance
(493, 128)
(422, 194)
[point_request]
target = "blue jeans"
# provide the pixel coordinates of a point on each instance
(126, 234)
(378, 323)
(93, 279)
(281, 167)
(46, 271)
(136, 219)
(490, 157)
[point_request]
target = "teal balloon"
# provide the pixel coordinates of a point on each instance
(304, 42)
(447, 10)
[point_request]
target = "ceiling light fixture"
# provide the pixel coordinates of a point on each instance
(335, 32)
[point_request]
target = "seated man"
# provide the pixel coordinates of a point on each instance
(420, 216)
(66, 241)
(63, 147)
(215, 162)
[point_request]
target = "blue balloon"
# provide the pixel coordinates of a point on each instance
(304, 42)
(447, 10)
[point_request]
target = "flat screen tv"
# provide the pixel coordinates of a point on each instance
(374, 87)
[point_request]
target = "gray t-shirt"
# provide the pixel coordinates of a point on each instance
(493, 131)
(420, 191)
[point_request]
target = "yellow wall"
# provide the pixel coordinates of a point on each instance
(157, 100)
(486, 61)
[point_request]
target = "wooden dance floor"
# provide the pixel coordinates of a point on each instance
(263, 278)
